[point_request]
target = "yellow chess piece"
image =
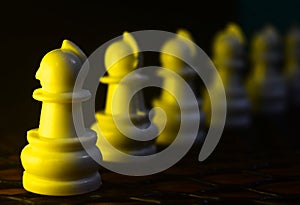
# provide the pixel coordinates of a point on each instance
(291, 52)
(266, 85)
(227, 55)
(118, 65)
(183, 49)
(292, 66)
(55, 161)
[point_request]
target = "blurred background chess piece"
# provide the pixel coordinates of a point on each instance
(121, 58)
(229, 58)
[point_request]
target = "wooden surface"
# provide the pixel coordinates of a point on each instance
(260, 166)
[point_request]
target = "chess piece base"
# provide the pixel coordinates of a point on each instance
(39, 185)
(111, 141)
(61, 166)
(113, 156)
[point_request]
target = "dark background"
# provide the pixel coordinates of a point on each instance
(29, 30)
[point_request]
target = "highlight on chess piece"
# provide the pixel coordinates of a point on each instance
(55, 161)
(228, 57)
(118, 65)
(183, 47)
(266, 84)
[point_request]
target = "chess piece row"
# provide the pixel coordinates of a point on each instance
(55, 161)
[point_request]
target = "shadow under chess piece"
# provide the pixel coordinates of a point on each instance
(119, 64)
(55, 160)
(228, 57)
(266, 84)
(183, 48)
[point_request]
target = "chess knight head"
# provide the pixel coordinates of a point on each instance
(59, 68)
(177, 50)
(121, 57)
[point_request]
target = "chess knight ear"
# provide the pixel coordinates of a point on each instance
(128, 38)
(72, 47)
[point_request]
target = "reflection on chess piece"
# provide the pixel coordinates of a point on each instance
(228, 57)
(118, 65)
(55, 161)
(183, 48)
(292, 66)
(266, 85)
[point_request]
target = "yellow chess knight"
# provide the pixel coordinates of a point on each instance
(266, 85)
(228, 52)
(55, 161)
(118, 64)
(182, 48)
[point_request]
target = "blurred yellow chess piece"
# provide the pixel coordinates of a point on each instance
(184, 51)
(55, 160)
(118, 64)
(292, 66)
(228, 57)
(266, 85)
(292, 51)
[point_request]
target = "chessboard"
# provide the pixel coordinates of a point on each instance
(244, 169)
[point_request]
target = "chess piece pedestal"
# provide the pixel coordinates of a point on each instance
(238, 106)
(60, 165)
